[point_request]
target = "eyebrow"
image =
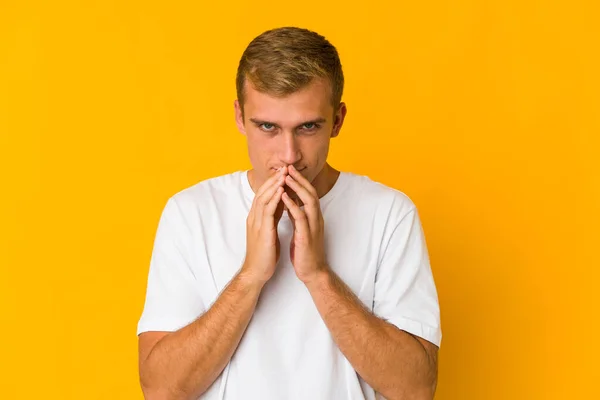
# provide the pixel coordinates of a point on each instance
(314, 121)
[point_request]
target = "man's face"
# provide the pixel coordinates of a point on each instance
(293, 130)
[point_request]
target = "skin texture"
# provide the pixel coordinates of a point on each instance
(279, 133)
(394, 362)
(288, 142)
(183, 364)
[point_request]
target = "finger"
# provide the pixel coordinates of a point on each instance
(299, 216)
(270, 186)
(260, 202)
(289, 212)
(271, 181)
(271, 207)
(311, 203)
(302, 180)
(279, 209)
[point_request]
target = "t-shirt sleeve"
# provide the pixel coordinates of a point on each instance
(405, 293)
(172, 296)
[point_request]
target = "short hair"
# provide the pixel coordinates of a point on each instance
(284, 60)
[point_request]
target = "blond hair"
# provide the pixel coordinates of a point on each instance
(283, 60)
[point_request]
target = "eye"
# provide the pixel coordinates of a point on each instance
(310, 126)
(267, 126)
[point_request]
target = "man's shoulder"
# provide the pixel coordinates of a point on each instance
(209, 189)
(368, 190)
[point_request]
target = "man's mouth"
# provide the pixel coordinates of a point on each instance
(300, 170)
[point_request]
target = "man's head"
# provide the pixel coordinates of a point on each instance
(289, 88)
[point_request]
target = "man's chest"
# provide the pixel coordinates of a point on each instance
(351, 248)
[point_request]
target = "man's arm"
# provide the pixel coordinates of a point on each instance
(183, 364)
(395, 363)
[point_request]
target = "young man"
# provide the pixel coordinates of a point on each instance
(291, 280)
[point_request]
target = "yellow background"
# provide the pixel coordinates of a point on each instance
(486, 113)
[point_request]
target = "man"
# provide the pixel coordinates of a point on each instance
(291, 280)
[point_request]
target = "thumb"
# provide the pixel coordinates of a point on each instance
(279, 211)
(292, 219)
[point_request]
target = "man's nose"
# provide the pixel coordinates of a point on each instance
(290, 151)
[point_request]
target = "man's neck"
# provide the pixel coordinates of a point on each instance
(325, 180)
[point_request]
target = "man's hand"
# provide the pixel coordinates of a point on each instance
(307, 249)
(262, 241)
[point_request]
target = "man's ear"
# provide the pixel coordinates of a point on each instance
(339, 119)
(239, 118)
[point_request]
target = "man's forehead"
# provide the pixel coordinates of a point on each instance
(298, 106)
(287, 110)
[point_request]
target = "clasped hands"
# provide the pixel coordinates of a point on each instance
(307, 249)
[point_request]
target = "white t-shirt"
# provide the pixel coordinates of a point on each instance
(374, 242)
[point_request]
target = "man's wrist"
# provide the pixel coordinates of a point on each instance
(319, 279)
(249, 283)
